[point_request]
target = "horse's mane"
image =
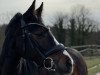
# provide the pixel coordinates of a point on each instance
(8, 43)
(14, 23)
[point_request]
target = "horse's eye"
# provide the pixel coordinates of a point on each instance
(39, 34)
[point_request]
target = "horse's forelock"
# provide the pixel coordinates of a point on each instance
(14, 22)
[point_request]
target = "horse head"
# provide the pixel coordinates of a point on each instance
(40, 40)
(39, 35)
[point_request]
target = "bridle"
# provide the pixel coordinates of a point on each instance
(59, 47)
(24, 31)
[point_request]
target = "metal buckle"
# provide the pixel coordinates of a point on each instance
(51, 64)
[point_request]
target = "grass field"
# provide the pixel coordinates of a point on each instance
(92, 64)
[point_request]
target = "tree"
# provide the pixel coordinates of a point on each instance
(72, 32)
(58, 28)
(83, 25)
(75, 29)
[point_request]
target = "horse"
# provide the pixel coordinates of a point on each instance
(31, 49)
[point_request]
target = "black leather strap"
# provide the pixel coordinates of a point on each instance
(57, 48)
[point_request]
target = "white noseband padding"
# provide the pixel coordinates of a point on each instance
(72, 62)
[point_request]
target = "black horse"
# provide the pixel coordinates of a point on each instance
(31, 49)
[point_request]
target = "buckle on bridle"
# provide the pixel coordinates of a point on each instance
(49, 64)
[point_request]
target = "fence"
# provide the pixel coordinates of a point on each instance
(88, 50)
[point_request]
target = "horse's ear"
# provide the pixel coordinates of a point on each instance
(39, 10)
(31, 8)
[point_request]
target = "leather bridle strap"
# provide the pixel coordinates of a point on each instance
(59, 47)
(28, 34)
(24, 25)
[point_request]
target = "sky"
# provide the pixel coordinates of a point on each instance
(9, 7)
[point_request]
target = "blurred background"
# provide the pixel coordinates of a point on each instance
(75, 23)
